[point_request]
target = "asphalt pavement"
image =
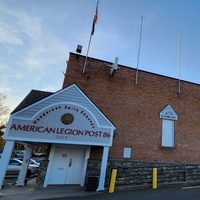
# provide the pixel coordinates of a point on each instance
(31, 192)
(147, 194)
(70, 192)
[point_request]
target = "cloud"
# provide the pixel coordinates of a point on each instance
(4, 89)
(19, 25)
(4, 66)
(45, 53)
(31, 55)
(8, 35)
(41, 48)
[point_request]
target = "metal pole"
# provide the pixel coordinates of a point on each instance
(95, 20)
(179, 81)
(154, 178)
(113, 180)
(85, 63)
(136, 78)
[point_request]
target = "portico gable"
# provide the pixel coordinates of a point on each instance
(65, 117)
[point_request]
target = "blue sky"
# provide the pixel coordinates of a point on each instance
(36, 37)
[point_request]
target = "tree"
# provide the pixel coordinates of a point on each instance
(3, 117)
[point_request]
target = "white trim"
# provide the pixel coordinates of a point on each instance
(168, 116)
(61, 91)
(44, 99)
(56, 104)
(168, 113)
(53, 140)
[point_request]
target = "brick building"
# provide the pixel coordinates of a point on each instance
(99, 121)
(137, 111)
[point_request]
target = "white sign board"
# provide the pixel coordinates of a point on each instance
(66, 124)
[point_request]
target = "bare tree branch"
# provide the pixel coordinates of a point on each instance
(3, 119)
(3, 109)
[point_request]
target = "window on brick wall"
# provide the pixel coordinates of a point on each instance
(167, 133)
(168, 117)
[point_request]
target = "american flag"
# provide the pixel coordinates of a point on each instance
(95, 19)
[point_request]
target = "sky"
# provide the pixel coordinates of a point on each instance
(36, 37)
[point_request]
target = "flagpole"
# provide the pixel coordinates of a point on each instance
(179, 81)
(95, 20)
(136, 78)
(86, 57)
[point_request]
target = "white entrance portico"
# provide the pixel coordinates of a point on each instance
(69, 121)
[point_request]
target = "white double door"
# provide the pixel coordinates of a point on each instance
(67, 166)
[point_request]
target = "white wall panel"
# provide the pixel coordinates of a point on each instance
(71, 94)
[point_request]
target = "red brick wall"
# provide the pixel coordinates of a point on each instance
(134, 109)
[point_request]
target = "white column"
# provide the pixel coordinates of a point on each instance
(103, 169)
(4, 161)
(48, 172)
(23, 171)
(87, 155)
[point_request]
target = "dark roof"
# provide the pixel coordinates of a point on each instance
(32, 97)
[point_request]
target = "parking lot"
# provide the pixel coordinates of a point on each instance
(12, 173)
(9, 180)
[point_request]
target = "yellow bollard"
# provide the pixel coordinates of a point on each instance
(112, 181)
(154, 178)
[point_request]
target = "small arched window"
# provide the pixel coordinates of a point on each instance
(168, 116)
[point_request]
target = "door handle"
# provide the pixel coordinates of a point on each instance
(70, 163)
